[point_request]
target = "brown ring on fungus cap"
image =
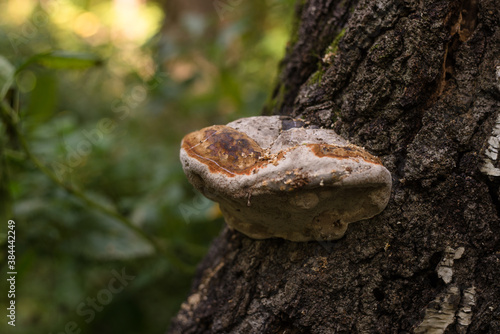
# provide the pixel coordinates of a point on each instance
(274, 180)
(223, 150)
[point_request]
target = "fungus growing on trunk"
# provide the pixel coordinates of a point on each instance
(274, 178)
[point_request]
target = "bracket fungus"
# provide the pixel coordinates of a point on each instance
(272, 177)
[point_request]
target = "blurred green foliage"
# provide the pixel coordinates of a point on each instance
(103, 92)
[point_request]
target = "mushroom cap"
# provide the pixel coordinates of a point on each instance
(272, 179)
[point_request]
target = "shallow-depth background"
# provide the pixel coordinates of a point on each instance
(104, 92)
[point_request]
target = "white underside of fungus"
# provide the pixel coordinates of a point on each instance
(294, 183)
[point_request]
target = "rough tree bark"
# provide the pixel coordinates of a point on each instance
(416, 83)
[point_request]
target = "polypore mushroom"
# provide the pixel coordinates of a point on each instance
(274, 178)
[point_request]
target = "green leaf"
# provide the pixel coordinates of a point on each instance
(7, 72)
(63, 60)
(43, 100)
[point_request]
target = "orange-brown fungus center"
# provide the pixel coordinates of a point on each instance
(223, 150)
(342, 152)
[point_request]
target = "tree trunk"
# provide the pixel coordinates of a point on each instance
(416, 83)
